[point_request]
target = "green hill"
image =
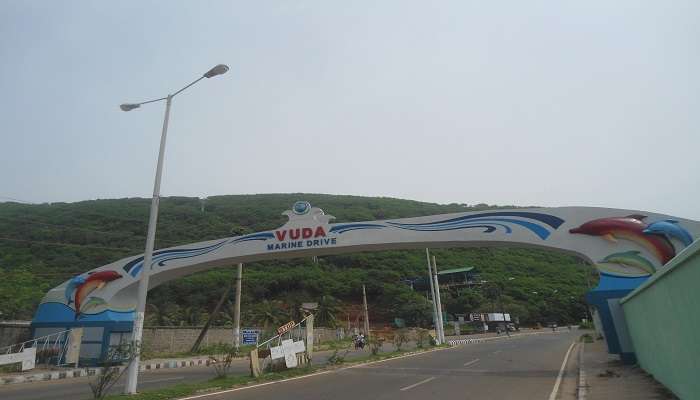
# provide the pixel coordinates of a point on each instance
(43, 245)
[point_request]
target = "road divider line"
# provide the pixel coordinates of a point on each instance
(471, 362)
(417, 384)
(199, 396)
(497, 351)
(555, 389)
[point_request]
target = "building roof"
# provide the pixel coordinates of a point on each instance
(455, 270)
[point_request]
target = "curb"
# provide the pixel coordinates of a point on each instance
(92, 371)
(481, 340)
(582, 387)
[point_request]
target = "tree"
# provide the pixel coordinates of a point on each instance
(20, 292)
(328, 308)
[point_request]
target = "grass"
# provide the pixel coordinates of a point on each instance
(189, 389)
(216, 384)
(203, 352)
(587, 338)
(334, 344)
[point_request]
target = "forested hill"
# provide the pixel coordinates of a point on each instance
(43, 245)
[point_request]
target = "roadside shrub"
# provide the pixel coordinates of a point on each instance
(422, 337)
(220, 358)
(112, 369)
(375, 344)
(400, 338)
(586, 325)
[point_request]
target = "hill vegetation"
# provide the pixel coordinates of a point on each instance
(43, 245)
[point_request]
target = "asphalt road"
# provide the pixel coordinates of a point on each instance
(79, 388)
(523, 367)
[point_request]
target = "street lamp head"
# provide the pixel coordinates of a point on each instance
(218, 70)
(129, 107)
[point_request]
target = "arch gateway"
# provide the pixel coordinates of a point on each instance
(627, 246)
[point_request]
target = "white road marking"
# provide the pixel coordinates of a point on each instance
(312, 374)
(471, 362)
(164, 379)
(177, 378)
(555, 390)
(497, 351)
(417, 384)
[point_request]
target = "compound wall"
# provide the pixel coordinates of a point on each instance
(663, 317)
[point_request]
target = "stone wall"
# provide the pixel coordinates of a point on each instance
(178, 339)
(12, 332)
(160, 339)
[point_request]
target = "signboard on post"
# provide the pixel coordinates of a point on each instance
(288, 350)
(249, 336)
(285, 328)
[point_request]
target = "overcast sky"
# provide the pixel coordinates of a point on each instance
(527, 103)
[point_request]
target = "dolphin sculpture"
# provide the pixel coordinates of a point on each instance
(631, 228)
(630, 258)
(93, 302)
(669, 228)
(93, 282)
(70, 288)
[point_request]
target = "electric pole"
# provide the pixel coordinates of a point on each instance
(439, 303)
(364, 305)
(237, 309)
(432, 293)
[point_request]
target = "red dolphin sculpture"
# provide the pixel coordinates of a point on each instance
(631, 228)
(92, 282)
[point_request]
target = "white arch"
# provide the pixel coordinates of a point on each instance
(615, 236)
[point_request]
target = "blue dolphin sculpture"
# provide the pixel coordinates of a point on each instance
(671, 229)
(71, 287)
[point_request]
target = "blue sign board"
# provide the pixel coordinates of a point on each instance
(249, 336)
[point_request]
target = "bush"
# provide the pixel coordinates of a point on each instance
(422, 337)
(586, 325)
(400, 337)
(375, 344)
(220, 357)
(111, 369)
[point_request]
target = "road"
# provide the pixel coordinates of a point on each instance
(523, 367)
(79, 388)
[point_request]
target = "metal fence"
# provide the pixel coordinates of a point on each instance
(50, 349)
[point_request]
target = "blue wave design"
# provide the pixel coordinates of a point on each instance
(551, 220)
(470, 221)
(52, 312)
(254, 236)
(162, 256)
(352, 227)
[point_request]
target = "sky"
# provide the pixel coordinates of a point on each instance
(552, 103)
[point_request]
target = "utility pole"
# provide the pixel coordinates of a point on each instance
(364, 305)
(439, 303)
(432, 293)
(237, 309)
(503, 312)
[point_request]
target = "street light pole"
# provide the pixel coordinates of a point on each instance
(237, 309)
(132, 373)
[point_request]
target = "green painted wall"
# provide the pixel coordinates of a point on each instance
(663, 317)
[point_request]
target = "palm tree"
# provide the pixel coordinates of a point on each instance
(266, 314)
(328, 307)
